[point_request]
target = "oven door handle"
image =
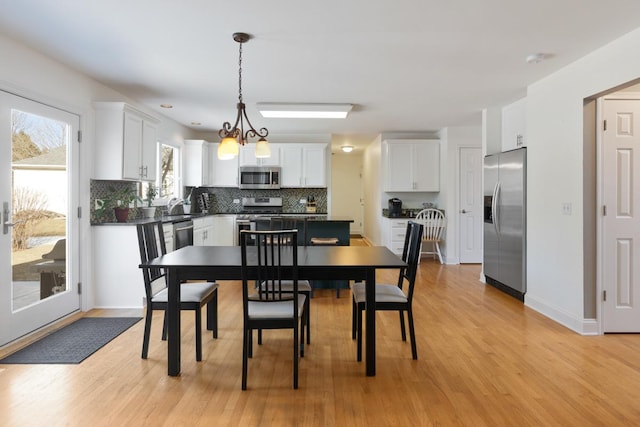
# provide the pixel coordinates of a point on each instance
(187, 227)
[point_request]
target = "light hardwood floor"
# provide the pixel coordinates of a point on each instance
(484, 360)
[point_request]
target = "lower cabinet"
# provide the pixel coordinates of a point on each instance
(393, 233)
(203, 231)
(117, 279)
(224, 230)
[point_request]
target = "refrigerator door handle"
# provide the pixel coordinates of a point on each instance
(494, 207)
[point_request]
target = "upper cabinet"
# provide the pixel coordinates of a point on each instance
(195, 165)
(248, 156)
(411, 165)
(514, 125)
(126, 141)
(303, 165)
(222, 173)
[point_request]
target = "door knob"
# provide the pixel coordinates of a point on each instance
(464, 211)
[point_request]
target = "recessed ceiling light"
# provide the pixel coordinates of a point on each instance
(347, 148)
(534, 58)
(166, 105)
(304, 111)
(196, 123)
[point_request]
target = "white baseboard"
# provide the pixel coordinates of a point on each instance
(580, 326)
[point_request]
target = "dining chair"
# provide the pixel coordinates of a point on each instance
(193, 296)
(273, 306)
(392, 297)
(304, 286)
(433, 221)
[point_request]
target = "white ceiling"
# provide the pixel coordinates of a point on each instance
(406, 65)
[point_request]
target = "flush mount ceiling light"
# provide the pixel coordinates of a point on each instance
(233, 137)
(347, 148)
(534, 58)
(285, 110)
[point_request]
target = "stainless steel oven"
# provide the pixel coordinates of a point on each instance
(260, 177)
(182, 234)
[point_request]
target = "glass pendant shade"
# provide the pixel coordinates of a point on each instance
(228, 149)
(262, 149)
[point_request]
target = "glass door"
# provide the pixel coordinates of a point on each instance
(38, 233)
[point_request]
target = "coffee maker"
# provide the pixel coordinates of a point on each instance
(395, 208)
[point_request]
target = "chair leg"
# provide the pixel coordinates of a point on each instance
(198, 333)
(295, 358)
(250, 333)
(308, 317)
(164, 326)
(147, 332)
(412, 335)
(353, 319)
(302, 327)
(437, 245)
(212, 315)
(359, 333)
(259, 336)
(402, 329)
(246, 335)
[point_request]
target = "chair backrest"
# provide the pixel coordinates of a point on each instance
(411, 255)
(271, 262)
(290, 223)
(433, 221)
(152, 245)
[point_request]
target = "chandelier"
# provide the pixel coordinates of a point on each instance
(233, 137)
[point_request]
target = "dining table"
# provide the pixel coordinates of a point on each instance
(211, 263)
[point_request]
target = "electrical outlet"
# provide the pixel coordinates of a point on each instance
(236, 201)
(303, 201)
(566, 208)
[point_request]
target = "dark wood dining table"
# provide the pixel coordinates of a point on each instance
(314, 263)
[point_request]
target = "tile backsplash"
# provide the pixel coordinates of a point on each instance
(221, 199)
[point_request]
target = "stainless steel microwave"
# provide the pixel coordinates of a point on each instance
(260, 177)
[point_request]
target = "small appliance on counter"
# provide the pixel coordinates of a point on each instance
(395, 208)
(311, 204)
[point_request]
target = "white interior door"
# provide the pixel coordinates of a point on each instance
(470, 205)
(38, 238)
(620, 246)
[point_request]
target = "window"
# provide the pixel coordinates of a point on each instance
(166, 182)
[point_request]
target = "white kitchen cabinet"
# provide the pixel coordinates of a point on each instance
(203, 231)
(223, 173)
(514, 125)
(393, 234)
(195, 165)
(126, 143)
(224, 230)
(411, 165)
(248, 156)
(303, 165)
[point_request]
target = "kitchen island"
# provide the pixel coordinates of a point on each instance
(316, 226)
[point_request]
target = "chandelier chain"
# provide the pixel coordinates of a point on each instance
(240, 74)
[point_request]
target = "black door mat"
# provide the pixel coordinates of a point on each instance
(73, 343)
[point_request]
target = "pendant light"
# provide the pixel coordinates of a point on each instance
(233, 137)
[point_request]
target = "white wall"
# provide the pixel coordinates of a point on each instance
(555, 242)
(372, 182)
(346, 187)
(33, 75)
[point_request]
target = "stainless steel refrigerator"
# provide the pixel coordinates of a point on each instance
(505, 209)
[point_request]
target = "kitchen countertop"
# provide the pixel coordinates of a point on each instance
(313, 217)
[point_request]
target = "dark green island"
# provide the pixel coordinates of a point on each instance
(318, 226)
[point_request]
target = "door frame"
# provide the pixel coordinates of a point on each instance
(600, 200)
(459, 216)
(79, 224)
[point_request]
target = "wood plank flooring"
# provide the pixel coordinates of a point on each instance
(484, 360)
